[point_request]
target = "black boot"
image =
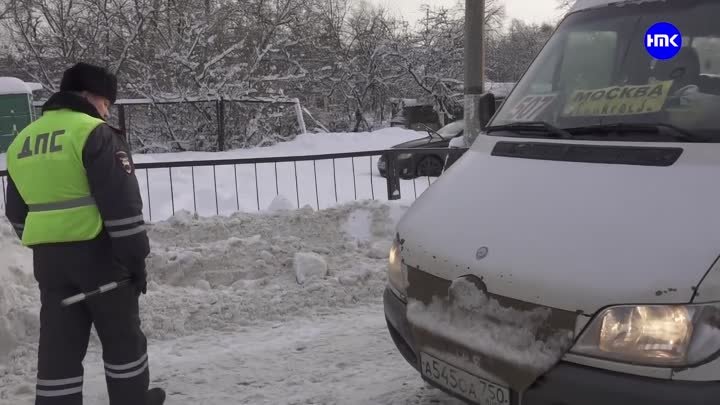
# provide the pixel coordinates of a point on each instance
(155, 396)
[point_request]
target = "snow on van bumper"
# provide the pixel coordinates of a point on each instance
(570, 384)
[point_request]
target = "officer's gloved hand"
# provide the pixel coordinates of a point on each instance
(138, 275)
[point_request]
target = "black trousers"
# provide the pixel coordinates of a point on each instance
(63, 270)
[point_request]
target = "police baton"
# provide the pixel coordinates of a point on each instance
(103, 289)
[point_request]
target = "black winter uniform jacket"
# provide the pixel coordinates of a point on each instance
(113, 184)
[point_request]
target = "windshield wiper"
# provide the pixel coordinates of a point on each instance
(624, 128)
(431, 131)
(532, 126)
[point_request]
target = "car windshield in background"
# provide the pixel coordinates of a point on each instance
(597, 72)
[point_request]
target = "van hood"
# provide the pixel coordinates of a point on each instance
(567, 235)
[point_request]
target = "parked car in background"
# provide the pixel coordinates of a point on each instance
(411, 165)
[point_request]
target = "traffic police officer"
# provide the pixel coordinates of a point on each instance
(73, 198)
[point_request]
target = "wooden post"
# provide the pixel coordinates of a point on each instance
(299, 116)
(392, 175)
(123, 124)
(220, 107)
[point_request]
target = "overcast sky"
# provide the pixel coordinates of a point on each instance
(528, 10)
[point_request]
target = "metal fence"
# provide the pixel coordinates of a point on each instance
(203, 124)
(222, 187)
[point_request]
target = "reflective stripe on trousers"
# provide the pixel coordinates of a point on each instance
(59, 387)
(127, 370)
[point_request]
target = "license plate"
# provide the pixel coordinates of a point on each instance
(464, 384)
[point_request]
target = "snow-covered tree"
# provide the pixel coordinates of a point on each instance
(433, 57)
(347, 74)
(510, 53)
(344, 59)
(4, 9)
(565, 4)
(46, 36)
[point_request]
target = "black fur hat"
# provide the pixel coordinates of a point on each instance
(93, 79)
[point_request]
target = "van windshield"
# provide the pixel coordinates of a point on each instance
(595, 72)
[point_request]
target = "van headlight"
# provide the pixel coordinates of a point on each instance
(654, 335)
(397, 271)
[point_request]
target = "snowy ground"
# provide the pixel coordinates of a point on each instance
(228, 321)
(278, 307)
(240, 189)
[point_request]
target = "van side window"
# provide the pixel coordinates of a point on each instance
(708, 49)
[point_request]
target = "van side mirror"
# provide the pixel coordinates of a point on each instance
(499, 102)
(487, 106)
(478, 112)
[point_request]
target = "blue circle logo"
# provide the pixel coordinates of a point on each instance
(663, 41)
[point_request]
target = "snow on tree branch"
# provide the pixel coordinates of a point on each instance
(346, 60)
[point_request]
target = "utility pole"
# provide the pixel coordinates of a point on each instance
(474, 66)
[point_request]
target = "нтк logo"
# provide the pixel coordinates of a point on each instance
(663, 41)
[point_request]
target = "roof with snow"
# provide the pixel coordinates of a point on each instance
(585, 4)
(499, 89)
(12, 85)
(411, 102)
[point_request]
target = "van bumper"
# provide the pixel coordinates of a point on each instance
(399, 327)
(572, 384)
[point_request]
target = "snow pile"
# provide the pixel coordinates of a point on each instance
(477, 321)
(309, 265)
(380, 249)
(19, 316)
(19, 299)
(280, 203)
(365, 224)
(220, 272)
(219, 275)
(356, 225)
